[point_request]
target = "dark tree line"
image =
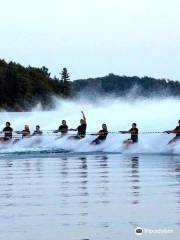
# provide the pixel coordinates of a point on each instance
(21, 88)
(121, 86)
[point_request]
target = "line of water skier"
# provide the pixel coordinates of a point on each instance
(101, 135)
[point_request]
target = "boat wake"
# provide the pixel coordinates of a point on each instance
(54, 145)
(118, 114)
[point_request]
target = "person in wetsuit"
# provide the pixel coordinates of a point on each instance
(26, 132)
(7, 132)
(102, 135)
(63, 128)
(81, 129)
(37, 132)
(134, 134)
(176, 131)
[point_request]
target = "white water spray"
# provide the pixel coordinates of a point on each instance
(118, 114)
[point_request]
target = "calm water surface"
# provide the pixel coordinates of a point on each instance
(82, 197)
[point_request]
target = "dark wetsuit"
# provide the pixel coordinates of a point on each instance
(178, 134)
(102, 137)
(7, 133)
(25, 133)
(63, 129)
(81, 130)
(37, 133)
(134, 134)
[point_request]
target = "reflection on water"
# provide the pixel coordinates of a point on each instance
(135, 179)
(176, 171)
(88, 197)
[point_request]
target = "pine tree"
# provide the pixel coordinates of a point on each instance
(65, 81)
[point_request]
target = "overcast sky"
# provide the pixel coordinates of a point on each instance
(93, 37)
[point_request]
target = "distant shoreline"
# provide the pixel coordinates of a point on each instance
(22, 88)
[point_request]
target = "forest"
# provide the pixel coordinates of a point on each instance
(21, 88)
(123, 86)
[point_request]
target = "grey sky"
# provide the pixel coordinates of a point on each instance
(93, 37)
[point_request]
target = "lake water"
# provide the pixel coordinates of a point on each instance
(52, 188)
(81, 196)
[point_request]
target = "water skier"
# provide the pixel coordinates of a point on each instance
(26, 132)
(176, 131)
(37, 132)
(102, 135)
(134, 135)
(63, 128)
(7, 132)
(81, 129)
